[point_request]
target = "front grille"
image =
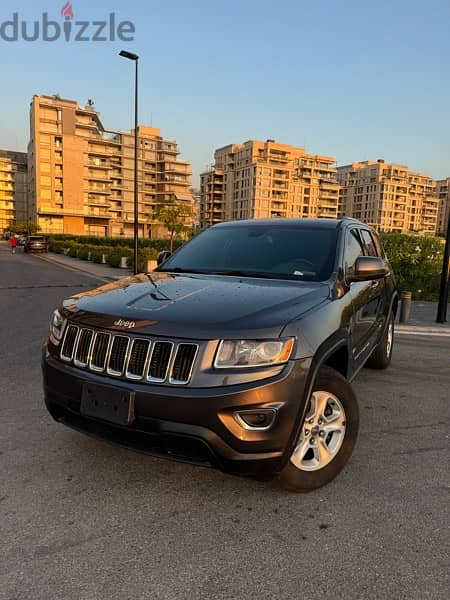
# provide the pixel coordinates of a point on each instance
(129, 357)
(159, 361)
(117, 355)
(99, 351)
(182, 365)
(83, 347)
(138, 357)
(68, 345)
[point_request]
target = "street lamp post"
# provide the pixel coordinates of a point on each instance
(445, 280)
(135, 57)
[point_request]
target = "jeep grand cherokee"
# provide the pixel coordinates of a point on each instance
(237, 351)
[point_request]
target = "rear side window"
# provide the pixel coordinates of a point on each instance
(353, 249)
(378, 245)
(369, 244)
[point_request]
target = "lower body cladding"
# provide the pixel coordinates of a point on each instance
(244, 429)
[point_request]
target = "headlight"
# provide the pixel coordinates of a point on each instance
(253, 353)
(57, 327)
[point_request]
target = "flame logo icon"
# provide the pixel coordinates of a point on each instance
(67, 10)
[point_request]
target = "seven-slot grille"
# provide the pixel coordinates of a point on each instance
(131, 357)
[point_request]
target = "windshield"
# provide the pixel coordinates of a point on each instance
(36, 238)
(296, 252)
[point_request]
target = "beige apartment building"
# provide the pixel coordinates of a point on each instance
(13, 188)
(257, 180)
(389, 197)
(443, 192)
(81, 176)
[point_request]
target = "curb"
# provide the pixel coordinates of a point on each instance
(422, 330)
(104, 279)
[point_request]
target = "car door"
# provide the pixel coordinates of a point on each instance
(378, 287)
(365, 298)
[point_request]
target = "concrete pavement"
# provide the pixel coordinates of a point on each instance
(102, 272)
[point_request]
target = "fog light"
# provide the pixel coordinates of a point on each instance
(255, 419)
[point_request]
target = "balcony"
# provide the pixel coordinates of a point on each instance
(98, 202)
(92, 176)
(97, 190)
(169, 148)
(173, 168)
(98, 165)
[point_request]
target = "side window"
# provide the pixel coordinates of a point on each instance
(378, 245)
(369, 244)
(353, 249)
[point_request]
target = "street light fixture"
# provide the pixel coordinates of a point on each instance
(135, 57)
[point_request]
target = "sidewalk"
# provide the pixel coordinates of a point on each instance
(104, 273)
(422, 321)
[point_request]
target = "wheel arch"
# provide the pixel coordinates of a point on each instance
(333, 352)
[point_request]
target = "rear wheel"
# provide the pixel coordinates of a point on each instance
(327, 437)
(381, 356)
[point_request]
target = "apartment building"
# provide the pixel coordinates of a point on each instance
(389, 197)
(257, 180)
(443, 193)
(81, 175)
(13, 188)
(212, 198)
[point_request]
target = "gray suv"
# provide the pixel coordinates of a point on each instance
(237, 352)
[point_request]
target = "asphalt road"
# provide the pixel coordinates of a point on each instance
(83, 520)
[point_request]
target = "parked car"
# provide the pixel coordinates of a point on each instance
(21, 241)
(35, 243)
(237, 352)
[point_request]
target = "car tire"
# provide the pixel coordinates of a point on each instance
(327, 436)
(382, 355)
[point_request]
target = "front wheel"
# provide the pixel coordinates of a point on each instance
(327, 436)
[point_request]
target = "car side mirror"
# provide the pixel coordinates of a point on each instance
(368, 268)
(163, 256)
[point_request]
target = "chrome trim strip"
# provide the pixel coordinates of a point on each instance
(112, 371)
(76, 362)
(157, 379)
(244, 425)
(66, 357)
(127, 362)
(96, 368)
(182, 381)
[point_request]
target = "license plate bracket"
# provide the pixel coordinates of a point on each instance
(107, 403)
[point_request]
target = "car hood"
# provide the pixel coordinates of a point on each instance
(196, 306)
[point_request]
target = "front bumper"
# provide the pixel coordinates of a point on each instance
(194, 425)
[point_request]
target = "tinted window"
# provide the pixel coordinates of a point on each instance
(353, 249)
(378, 245)
(280, 252)
(368, 243)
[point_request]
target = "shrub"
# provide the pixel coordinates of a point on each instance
(144, 255)
(417, 263)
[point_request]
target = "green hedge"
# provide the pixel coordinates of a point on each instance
(110, 241)
(417, 263)
(95, 252)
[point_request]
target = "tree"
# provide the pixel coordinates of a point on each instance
(27, 227)
(174, 217)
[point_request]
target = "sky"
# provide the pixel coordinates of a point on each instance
(353, 80)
